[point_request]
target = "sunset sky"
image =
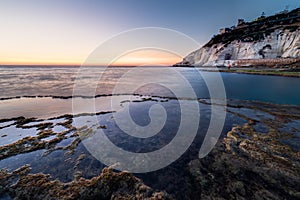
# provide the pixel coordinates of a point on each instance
(66, 31)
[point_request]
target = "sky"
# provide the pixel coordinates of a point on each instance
(67, 31)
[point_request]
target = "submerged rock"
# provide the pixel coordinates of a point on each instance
(108, 185)
(248, 165)
(253, 161)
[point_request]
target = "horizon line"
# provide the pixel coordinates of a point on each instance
(79, 65)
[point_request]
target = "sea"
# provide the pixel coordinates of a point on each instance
(48, 81)
(140, 110)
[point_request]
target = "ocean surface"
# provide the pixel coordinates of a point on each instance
(59, 81)
(51, 106)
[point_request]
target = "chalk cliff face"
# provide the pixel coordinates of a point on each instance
(263, 40)
(279, 44)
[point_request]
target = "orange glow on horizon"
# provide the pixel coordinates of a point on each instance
(147, 57)
(28, 62)
(40, 61)
(136, 58)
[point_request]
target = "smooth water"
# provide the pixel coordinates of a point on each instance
(59, 81)
(45, 93)
(273, 89)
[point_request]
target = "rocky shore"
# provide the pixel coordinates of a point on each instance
(259, 158)
(108, 185)
(249, 165)
(253, 161)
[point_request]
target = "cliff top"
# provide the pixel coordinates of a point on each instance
(258, 29)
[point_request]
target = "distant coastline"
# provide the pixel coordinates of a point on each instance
(250, 70)
(286, 73)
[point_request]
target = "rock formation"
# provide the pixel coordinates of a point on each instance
(265, 39)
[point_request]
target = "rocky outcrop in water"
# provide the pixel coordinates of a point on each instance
(266, 38)
(108, 185)
(256, 158)
(249, 165)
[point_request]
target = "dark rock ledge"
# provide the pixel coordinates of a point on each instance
(248, 165)
(19, 184)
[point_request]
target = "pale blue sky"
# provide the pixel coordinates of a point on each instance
(67, 30)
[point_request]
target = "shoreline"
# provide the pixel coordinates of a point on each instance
(261, 138)
(250, 70)
(262, 72)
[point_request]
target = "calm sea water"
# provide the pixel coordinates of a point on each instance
(59, 81)
(60, 162)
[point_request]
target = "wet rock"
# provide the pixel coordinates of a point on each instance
(248, 165)
(108, 185)
(103, 127)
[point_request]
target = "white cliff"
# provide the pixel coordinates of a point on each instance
(279, 44)
(266, 38)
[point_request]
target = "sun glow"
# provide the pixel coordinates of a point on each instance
(136, 58)
(147, 57)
